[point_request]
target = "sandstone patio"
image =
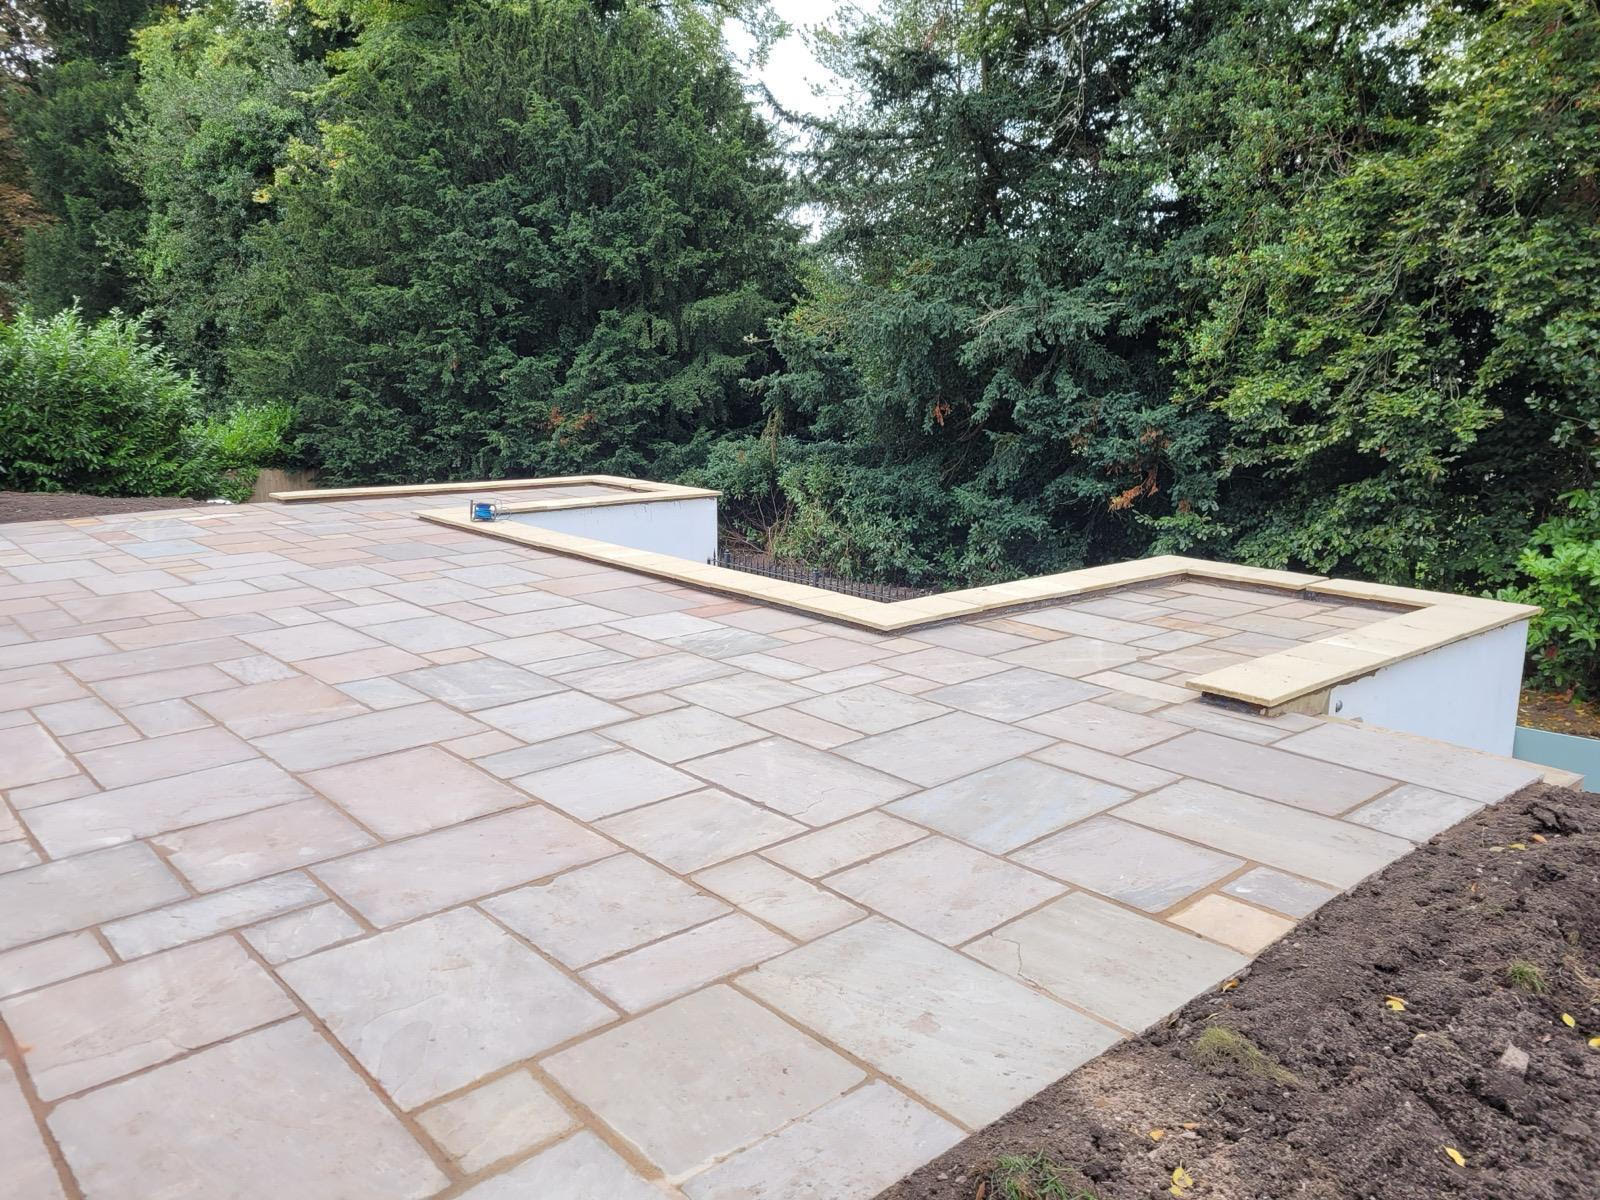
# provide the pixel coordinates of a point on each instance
(344, 855)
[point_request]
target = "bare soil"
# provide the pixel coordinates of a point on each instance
(1487, 935)
(1559, 713)
(55, 506)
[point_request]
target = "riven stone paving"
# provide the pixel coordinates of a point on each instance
(468, 870)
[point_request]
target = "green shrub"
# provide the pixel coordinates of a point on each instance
(95, 406)
(1561, 573)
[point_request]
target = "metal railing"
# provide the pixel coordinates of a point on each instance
(760, 564)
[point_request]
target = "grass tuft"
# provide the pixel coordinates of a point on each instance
(1527, 976)
(1032, 1177)
(1221, 1049)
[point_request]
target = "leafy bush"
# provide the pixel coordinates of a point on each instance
(94, 406)
(1561, 568)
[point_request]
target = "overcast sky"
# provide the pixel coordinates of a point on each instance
(791, 73)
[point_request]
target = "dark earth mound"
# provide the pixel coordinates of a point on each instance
(55, 506)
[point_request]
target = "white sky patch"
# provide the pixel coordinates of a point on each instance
(796, 79)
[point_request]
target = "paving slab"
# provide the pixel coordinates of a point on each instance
(870, 708)
(831, 849)
(1263, 771)
(580, 1167)
(223, 853)
(1415, 813)
(689, 832)
(1128, 862)
(856, 1145)
(431, 1007)
(506, 1116)
(954, 1032)
(191, 920)
(222, 1118)
(413, 791)
(1126, 969)
(29, 1173)
(1014, 695)
(603, 909)
(1233, 923)
(768, 892)
(296, 934)
(1282, 893)
(1006, 806)
(976, 891)
(28, 967)
(769, 770)
(591, 788)
(72, 893)
(277, 705)
(945, 748)
(393, 883)
(680, 963)
(479, 683)
(331, 743)
(1102, 727)
(723, 1070)
(92, 1029)
(683, 733)
(1436, 765)
(28, 754)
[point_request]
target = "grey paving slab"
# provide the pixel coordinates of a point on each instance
(1128, 862)
(1463, 773)
(1014, 695)
(1101, 727)
(683, 733)
(333, 742)
(856, 1145)
(603, 909)
(580, 1167)
(724, 1071)
(591, 788)
(1124, 968)
(1415, 813)
(1124, 772)
(1280, 892)
(896, 999)
(870, 709)
(123, 814)
(431, 1007)
(741, 694)
(191, 920)
(72, 893)
(975, 891)
(274, 706)
(636, 677)
(393, 883)
(479, 683)
(28, 754)
(553, 716)
(767, 772)
(413, 791)
(221, 1120)
(1263, 771)
(506, 1116)
(1075, 656)
(944, 748)
(92, 1029)
(697, 830)
(800, 909)
(1303, 843)
(1002, 807)
(296, 934)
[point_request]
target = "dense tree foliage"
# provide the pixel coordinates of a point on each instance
(1302, 284)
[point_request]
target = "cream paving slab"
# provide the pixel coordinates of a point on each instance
(29, 1173)
(697, 830)
(92, 1029)
(1126, 969)
(603, 909)
(1324, 787)
(413, 791)
(1232, 923)
(59, 897)
(723, 1072)
(123, 814)
(854, 1146)
(277, 705)
(431, 1007)
(236, 850)
(191, 920)
(800, 909)
(503, 1117)
(1333, 852)
(580, 1168)
(28, 967)
(1128, 862)
(974, 891)
(768, 771)
(393, 883)
(217, 1124)
(1430, 764)
(963, 1037)
(937, 751)
(680, 963)
(1003, 807)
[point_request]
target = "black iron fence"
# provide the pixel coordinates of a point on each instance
(760, 564)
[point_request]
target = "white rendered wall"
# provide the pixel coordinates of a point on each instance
(1465, 693)
(681, 528)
